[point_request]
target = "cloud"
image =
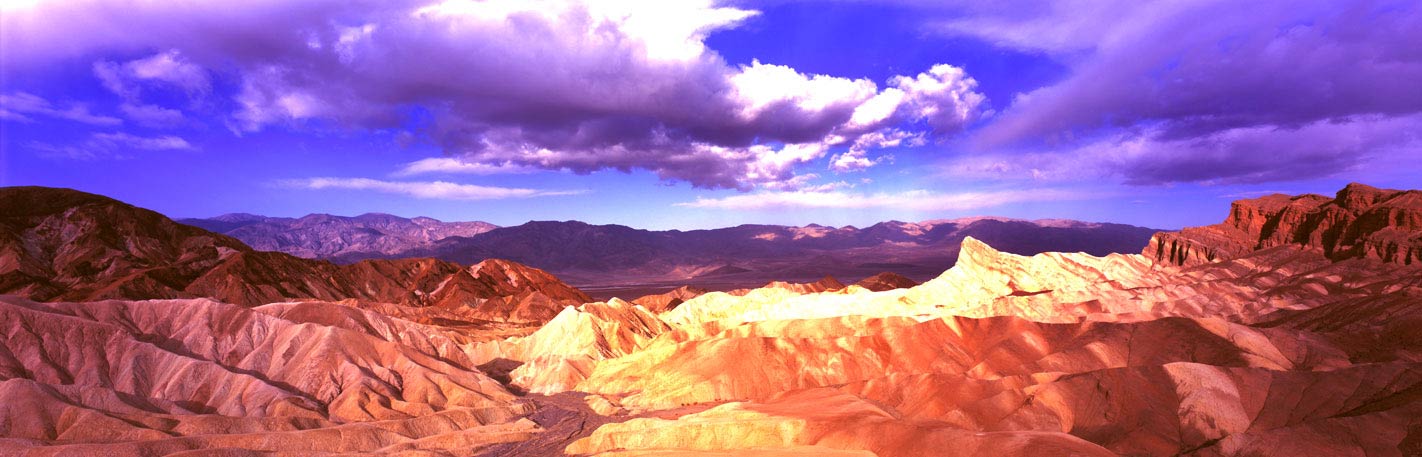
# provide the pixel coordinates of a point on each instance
(566, 85)
(171, 68)
(855, 159)
(1243, 155)
(21, 106)
(437, 190)
(918, 200)
(157, 143)
(1162, 91)
(1195, 68)
(116, 145)
(152, 115)
(803, 183)
(449, 165)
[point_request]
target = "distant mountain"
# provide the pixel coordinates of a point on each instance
(339, 238)
(750, 255)
(720, 259)
(61, 244)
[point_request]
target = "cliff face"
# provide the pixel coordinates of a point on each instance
(1359, 222)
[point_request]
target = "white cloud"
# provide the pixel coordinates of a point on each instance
(20, 106)
(157, 143)
(440, 190)
(450, 165)
(760, 86)
(116, 145)
(853, 160)
(170, 68)
(944, 96)
(151, 115)
(919, 200)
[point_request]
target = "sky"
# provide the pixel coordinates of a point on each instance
(699, 114)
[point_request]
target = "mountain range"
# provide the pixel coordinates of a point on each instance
(337, 238)
(612, 259)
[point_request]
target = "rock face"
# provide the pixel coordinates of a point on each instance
(323, 236)
(1360, 221)
(58, 244)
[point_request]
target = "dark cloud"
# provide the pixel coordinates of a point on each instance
(1244, 155)
(1206, 82)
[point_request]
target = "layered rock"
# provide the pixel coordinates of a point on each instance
(165, 376)
(563, 352)
(1360, 221)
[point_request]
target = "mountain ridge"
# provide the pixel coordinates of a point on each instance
(62, 244)
(745, 255)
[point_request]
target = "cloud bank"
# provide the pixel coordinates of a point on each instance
(917, 200)
(1203, 91)
(437, 190)
(572, 85)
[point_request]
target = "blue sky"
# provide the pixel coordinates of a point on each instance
(697, 115)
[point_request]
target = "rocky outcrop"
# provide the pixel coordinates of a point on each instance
(825, 284)
(886, 281)
(1359, 222)
(669, 300)
(58, 244)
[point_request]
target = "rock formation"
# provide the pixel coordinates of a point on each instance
(1360, 221)
(668, 300)
(886, 281)
(164, 376)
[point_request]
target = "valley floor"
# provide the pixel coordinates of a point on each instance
(1281, 352)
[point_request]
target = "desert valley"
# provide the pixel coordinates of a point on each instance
(527, 228)
(1294, 327)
